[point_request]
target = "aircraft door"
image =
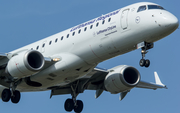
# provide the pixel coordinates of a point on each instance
(124, 19)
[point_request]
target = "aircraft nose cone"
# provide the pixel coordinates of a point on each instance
(171, 21)
(175, 22)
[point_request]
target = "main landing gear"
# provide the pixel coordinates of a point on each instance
(71, 104)
(146, 46)
(12, 94)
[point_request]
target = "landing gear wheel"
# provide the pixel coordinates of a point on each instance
(16, 97)
(145, 46)
(142, 62)
(147, 63)
(79, 107)
(6, 95)
(69, 105)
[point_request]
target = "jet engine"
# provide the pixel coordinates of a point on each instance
(121, 78)
(25, 64)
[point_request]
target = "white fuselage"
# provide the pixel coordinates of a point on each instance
(83, 47)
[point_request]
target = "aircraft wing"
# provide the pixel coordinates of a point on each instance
(95, 81)
(3, 60)
(92, 81)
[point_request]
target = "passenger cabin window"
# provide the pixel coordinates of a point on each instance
(67, 35)
(37, 47)
(85, 28)
(79, 31)
(50, 42)
(91, 26)
(73, 34)
(43, 45)
(155, 7)
(109, 20)
(103, 21)
(97, 24)
(142, 8)
(56, 40)
(62, 38)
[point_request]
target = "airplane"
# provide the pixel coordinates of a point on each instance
(66, 63)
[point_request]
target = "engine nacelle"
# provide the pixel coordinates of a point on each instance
(121, 78)
(25, 64)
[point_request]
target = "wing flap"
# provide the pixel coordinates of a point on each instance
(92, 81)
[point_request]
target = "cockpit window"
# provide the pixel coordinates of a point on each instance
(142, 8)
(155, 7)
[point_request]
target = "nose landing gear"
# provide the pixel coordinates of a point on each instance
(144, 62)
(145, 46)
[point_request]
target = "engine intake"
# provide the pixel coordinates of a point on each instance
(130, 76)
(34, 60)
(121, 78)
(25, 64)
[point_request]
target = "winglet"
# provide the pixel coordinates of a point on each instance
(157, 79)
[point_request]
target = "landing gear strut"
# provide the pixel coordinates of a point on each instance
(146, 46)
(12, 94)
(71, 104)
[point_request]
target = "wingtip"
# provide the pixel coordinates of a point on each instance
(158, 81)
(165, 87)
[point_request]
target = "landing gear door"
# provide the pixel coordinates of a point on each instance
(140, 45)
(124, 19)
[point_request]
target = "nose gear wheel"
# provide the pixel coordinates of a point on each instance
(145, 62)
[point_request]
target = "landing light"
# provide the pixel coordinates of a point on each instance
(56, 59)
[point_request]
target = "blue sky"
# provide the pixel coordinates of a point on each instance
(23, 22)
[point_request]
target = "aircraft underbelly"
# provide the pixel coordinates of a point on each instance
(60, 73)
